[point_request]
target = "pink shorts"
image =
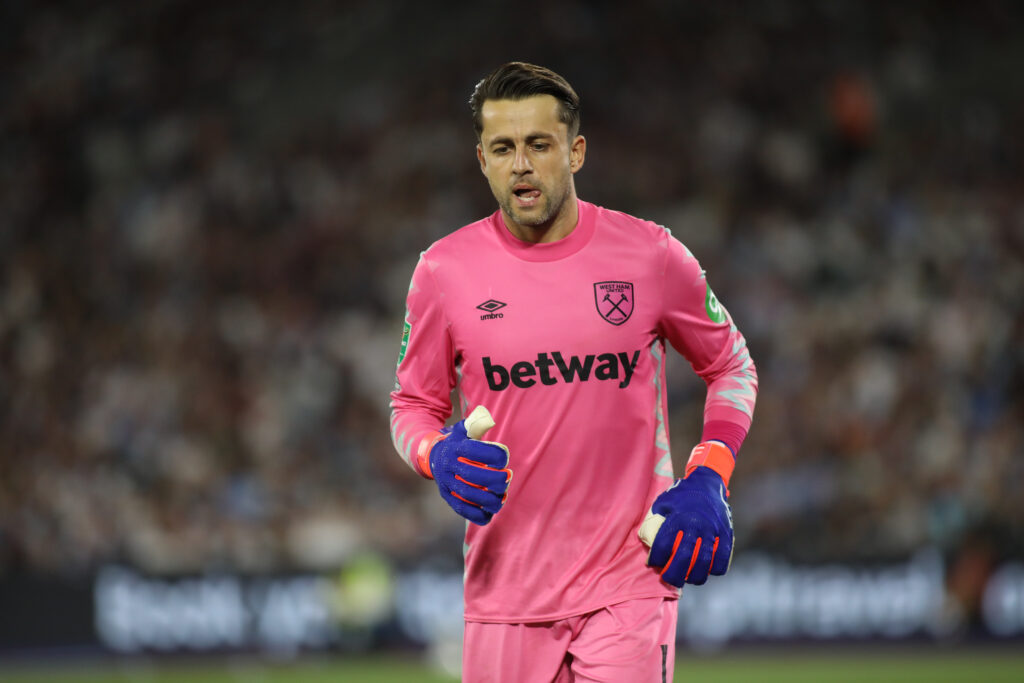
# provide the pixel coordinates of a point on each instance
(631, 641)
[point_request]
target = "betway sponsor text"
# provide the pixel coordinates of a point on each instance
(550, 368)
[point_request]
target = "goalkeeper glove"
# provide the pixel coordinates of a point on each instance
(689, 527)
(472, 475)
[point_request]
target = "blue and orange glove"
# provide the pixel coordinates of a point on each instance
(689, 526)
(472, 475)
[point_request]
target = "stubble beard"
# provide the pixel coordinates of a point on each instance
(550, 208)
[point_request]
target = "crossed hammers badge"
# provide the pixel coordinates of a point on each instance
(614, 300)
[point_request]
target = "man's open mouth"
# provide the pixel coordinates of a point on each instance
(526, 194)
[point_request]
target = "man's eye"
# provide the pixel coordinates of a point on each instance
(500, 150)
(540, 146)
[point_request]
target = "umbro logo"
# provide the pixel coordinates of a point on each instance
(490, 306)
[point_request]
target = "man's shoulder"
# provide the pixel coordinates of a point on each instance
(469, 237)
(625, 233)
(638, 228)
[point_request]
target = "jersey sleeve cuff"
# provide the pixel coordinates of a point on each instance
(729, 433)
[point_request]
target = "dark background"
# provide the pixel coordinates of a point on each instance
(209, 213)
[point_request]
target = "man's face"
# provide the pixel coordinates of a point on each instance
(528, 159)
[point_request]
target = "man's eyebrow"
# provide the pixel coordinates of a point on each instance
(532, 137)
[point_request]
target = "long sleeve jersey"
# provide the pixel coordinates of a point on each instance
(564, 343)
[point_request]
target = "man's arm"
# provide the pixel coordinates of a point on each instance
(425, 375)
(701, 329)
(689, 527)
(471, 475)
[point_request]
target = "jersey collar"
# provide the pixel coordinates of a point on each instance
(549, 251)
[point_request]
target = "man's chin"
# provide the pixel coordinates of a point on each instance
(530, 219)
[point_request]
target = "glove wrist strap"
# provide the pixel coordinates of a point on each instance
(712, 454)
(422, 460)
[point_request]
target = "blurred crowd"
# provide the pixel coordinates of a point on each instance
(209, 215)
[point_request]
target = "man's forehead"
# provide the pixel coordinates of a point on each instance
(537, 112)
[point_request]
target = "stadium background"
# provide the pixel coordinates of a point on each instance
(209, 214)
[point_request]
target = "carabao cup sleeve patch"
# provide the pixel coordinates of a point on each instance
(715, 311)
(405, 342)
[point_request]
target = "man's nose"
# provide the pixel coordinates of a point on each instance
(521, 163)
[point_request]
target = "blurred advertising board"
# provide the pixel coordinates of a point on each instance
(370, 605)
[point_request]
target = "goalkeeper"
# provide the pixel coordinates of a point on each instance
(552, 315)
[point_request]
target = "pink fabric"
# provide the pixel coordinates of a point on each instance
(515, 327)
(629, 641)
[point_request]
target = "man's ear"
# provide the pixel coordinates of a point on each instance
(577, 153)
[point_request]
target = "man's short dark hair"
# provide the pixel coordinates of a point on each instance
(519, 80)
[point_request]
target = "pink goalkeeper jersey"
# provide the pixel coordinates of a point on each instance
(565, 344)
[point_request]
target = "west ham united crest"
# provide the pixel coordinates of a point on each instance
(614, 300)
